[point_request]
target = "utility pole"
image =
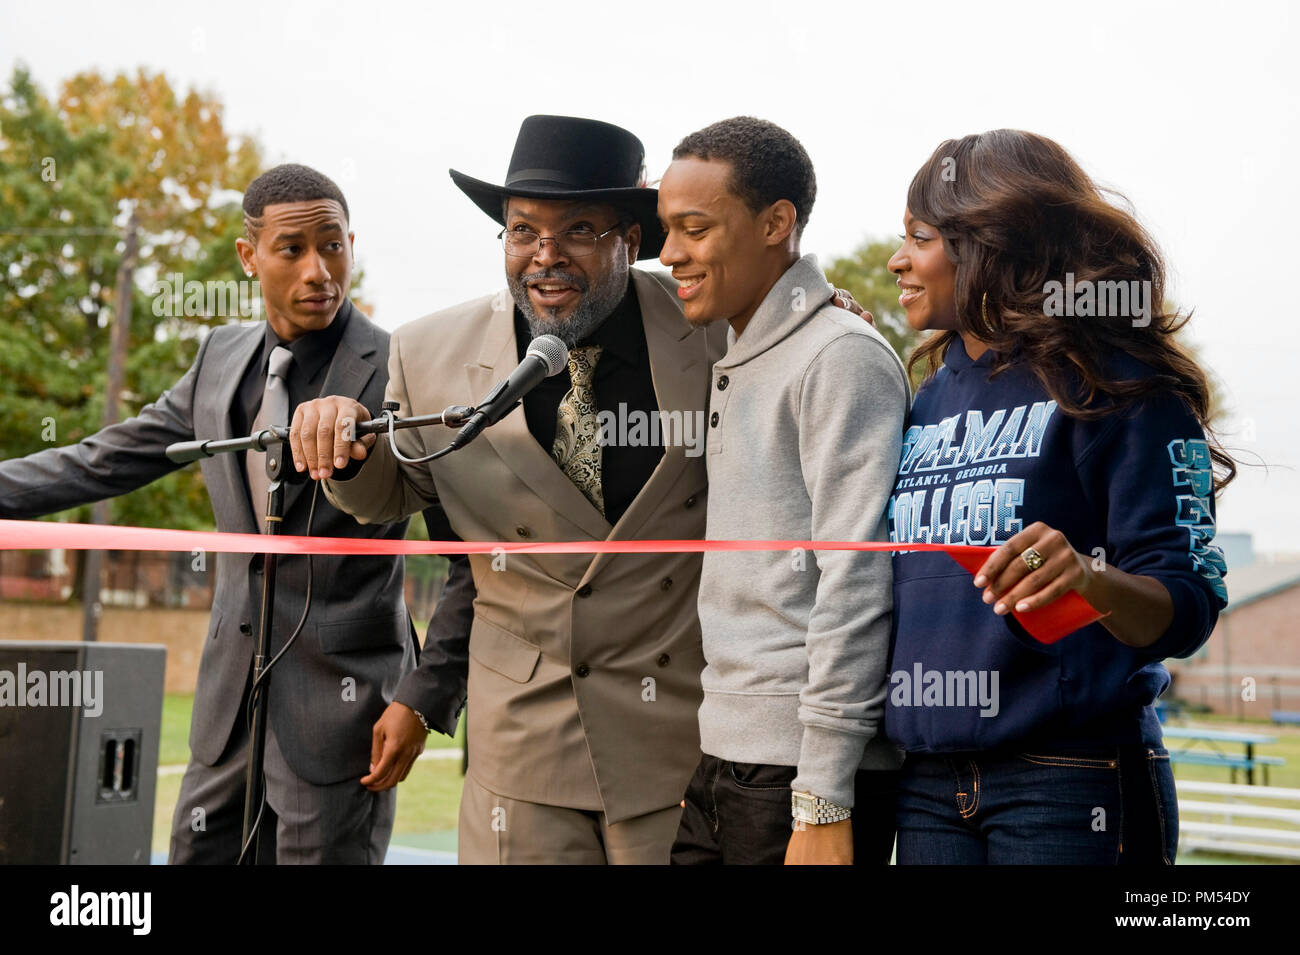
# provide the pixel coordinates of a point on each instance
(93, 565)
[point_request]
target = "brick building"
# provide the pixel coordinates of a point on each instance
(1251, 664)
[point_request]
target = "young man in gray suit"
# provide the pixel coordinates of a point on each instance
(329, 775)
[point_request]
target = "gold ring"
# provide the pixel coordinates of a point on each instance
(1033, 560)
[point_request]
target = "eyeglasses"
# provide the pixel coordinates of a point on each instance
(575, 243)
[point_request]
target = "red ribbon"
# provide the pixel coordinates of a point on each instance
(1047, 624)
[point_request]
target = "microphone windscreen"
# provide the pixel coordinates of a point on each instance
(553, 353)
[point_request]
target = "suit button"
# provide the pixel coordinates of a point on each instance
(663, 660)
(713, 420)
(690, 501)
(666, 584)
(523, 531)
(723, 381)
(584, 590)
(245, 628)
(582, 670)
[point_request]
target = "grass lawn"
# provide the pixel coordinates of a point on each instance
(1288, 776)
(427, 803)
(175, 745)
(1287, 746)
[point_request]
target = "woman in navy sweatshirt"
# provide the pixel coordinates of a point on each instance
(1062, 421)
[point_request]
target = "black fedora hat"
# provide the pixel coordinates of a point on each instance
(564, 157)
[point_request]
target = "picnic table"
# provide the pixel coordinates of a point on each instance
(1215, 756)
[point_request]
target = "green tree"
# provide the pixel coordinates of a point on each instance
(865, 273)
(57, 258)
(71, 173)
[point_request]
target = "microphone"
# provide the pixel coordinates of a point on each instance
(545, 357)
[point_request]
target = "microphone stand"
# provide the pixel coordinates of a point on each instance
(183, 452)
(272, 441)
(254, 783)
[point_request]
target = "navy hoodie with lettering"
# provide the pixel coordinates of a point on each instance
(985, 457)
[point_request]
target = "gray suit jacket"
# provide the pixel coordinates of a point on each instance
(356, 645)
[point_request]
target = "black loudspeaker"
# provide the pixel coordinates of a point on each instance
(79, 728)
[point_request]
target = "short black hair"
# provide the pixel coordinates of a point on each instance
(289, 182)
(767, 163)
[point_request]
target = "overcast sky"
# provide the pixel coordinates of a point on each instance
(1188, 109)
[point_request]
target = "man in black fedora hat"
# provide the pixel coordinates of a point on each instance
(583, 670)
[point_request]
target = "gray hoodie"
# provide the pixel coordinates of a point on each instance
(806, 420)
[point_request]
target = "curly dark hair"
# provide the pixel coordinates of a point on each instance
(767, 163)
(289, 182)
(1016, 212)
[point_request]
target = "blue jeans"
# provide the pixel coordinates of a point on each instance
(1106, 807)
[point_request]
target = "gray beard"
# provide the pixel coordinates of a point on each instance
(596, 305)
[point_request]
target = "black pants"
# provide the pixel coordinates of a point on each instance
(739, 814)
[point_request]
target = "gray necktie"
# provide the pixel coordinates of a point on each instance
(274, 411)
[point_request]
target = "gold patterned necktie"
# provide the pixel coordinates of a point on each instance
(577, 437)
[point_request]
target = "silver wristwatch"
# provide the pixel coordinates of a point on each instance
(816, 811)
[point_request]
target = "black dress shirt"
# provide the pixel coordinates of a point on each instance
(437, 687)
(623, 387)
(312, 354)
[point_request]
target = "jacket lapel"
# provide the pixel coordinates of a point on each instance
(510, 437)
(350, 370)
(234, 363)
(677, 349)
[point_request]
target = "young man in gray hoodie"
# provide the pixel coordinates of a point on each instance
(806, 417)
